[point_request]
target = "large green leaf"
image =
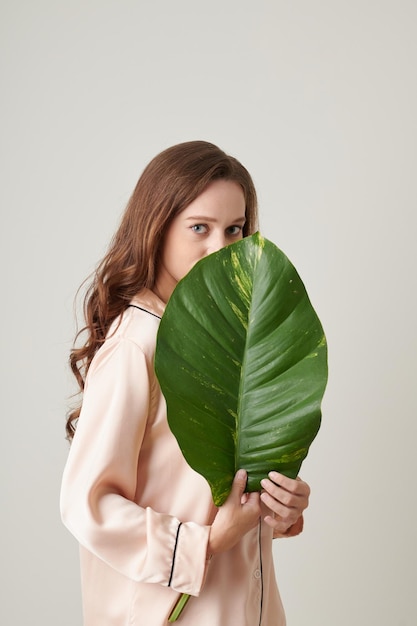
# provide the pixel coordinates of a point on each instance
(242, 361)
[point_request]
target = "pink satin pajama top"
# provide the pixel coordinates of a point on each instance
(141, 514)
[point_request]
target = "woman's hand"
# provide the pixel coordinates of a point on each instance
(239, 514)
(286, 498)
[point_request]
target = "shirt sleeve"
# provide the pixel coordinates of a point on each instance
(100, 480)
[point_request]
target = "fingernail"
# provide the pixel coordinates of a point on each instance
(274, 475)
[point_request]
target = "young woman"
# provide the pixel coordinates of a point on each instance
(147, 527)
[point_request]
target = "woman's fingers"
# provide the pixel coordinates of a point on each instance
(294, 486)
(282, 530)
(239, 485)
(287, 498)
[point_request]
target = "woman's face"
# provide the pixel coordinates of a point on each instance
(213, 220)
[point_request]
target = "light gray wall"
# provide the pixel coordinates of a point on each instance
(318, 99)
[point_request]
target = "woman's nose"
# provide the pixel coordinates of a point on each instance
(216, 243)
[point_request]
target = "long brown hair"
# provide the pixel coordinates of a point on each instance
(171, 181)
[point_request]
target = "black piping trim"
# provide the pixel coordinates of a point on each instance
(145, 310)
(173, 555)
(262, 573)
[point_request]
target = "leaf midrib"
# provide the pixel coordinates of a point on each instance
(255, 260)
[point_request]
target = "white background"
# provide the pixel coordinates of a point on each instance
(318, 99)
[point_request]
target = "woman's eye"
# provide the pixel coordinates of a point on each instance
(199, 228)
(234, 230)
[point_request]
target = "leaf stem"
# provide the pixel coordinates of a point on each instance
(177, 610)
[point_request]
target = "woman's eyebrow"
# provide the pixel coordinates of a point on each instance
(205, 218)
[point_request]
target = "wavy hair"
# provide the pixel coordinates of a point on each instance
(169, 183)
